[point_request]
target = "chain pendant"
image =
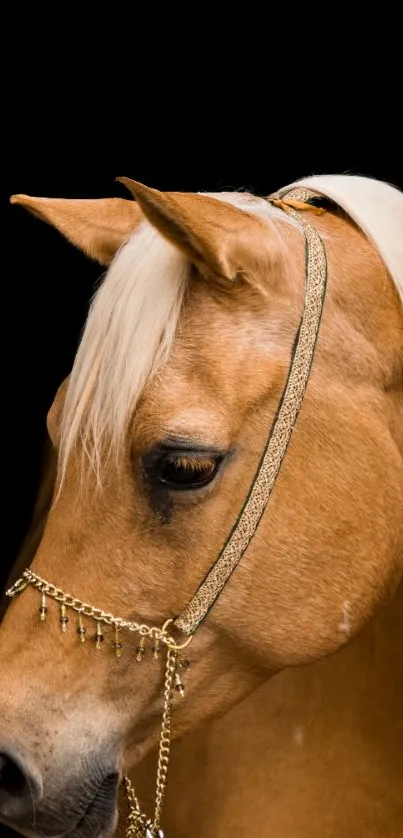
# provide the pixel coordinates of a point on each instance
(43, 609)
(179, 686)
(99, 637)
(63, 617)
(141, 649)
(118, 645)
(81, 630)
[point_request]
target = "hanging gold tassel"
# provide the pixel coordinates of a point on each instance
(99, 636)
(43, 609)
(179, 686)
(141, 649)
(63, 617)
(81, 630)
(118, 646)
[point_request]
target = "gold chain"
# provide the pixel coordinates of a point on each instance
(138, 825)
(165, 737)
(135, 820)
(97, 614)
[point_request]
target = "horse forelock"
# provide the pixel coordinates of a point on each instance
(128, 336)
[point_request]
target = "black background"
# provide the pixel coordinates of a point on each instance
(47, 284)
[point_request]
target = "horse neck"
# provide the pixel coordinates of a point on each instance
(334, 723)
(360, 684)
(292, 749)
(357, 690)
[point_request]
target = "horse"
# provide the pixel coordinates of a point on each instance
(229, 479)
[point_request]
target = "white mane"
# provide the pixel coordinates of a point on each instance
(133, 318)
(376, 207)
(128, 335)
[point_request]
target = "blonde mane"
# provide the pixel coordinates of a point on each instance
(128, 335)
(132, 321)
(375, 206)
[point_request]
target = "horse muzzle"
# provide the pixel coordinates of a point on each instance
(82, 806)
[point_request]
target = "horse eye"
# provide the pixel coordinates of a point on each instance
(185, 471)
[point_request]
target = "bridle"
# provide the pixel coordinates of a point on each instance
(139, 826)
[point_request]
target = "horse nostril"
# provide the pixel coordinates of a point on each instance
(20, 787)
(12, 780)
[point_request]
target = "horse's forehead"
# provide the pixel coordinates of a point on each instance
(221, 330)
(221, 343)
(221, 362)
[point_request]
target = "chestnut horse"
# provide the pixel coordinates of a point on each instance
(159, 435)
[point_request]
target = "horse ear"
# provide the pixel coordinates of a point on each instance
(211, 232)
(98, 227)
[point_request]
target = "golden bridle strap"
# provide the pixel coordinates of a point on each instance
(283, 425)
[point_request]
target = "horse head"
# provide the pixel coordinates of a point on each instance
(159, 434)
